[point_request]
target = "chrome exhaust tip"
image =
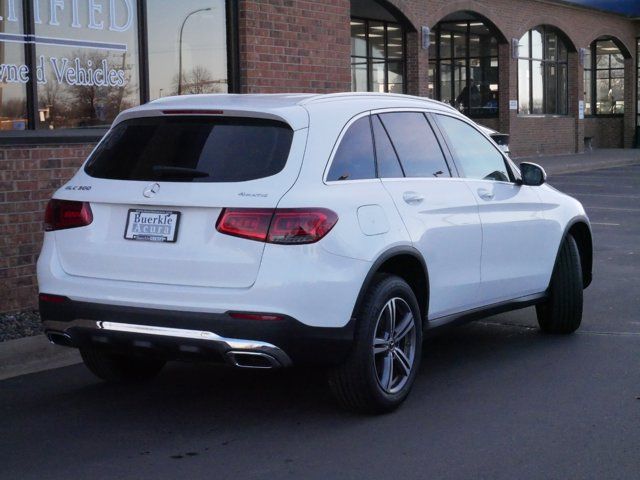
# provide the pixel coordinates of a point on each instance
(257, 360)
(58, 338)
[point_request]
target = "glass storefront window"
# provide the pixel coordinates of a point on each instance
(191, 34)
(13, 74)
(604, 79)
(466, 67)
(542, 73)
(87, 62)
(377, 56)
(77, 64)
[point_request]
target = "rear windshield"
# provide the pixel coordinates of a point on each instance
(192, 149)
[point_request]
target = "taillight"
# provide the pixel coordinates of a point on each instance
(63, 214)
(251, 223)
(286, 226)
(300, 225)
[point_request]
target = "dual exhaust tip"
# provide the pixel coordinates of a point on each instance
(259, 360)
(237, 358)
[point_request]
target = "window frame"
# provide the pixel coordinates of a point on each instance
(32, 135)
(529, 58)
(453, 170)
(386, 60)
(593, 69)
(513, 178)
(437, 61)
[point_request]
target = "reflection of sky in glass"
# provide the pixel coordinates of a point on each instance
(11, 53)
(203, 44)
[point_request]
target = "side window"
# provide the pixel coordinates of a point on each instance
(474, 154)
(416, 144)
(388, 163)
(354, 158)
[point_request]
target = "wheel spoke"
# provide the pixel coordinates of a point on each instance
(387, 372)
(392, 316)
(380, 345)
(405, 326)
(403, 361)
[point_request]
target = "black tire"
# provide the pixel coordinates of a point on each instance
(562, 312)
(357, 383)
(118, 368)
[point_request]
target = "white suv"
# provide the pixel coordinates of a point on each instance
(274, 230)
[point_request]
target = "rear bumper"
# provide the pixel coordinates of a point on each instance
(194, 335)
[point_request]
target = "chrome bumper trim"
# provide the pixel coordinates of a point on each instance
(228, 344)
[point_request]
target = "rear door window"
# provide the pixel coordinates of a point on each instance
(354, 158)
(192, 149)
(473, 153)
(416, 144)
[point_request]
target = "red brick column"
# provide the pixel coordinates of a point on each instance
(295, 46)
(28, 177)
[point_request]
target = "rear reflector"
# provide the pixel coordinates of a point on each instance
(48, 298)
(285, 226)
(255, 316)
(63, 214)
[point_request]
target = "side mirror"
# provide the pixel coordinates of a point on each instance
(532, 174)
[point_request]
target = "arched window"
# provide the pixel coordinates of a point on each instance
(604, 79)
(463, 65)
(378, 47)
(542, 72)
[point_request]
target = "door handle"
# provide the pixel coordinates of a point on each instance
(412, 198)
(485, 194)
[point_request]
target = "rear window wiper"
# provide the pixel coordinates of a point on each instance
(167, 171)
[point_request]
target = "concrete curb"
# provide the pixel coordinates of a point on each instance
(33, 354)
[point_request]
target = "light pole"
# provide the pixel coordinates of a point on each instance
(180, 46)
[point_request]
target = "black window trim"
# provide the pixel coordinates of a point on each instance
(34, 136)
(513, 177)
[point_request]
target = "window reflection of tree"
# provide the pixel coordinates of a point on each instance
(86, 105)
(199, 80)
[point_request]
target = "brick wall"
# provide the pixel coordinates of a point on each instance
(28, 177)
(605, 132)
(295, 46)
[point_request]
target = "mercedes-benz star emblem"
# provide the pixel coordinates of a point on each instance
(151, 190)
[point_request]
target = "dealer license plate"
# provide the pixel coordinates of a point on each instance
(152, 225)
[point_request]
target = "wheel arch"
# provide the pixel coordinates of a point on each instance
(407, 263)
(580, 230)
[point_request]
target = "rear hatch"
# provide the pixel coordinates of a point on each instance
(157, 185)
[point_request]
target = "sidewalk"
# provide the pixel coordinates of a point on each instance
(580, 162)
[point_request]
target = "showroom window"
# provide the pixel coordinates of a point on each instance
(604, 79)
(69, 64)
(463, 61)
(377, 56)
(542, 73)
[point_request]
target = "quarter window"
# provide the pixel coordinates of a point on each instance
(416, 144)
(473, 153)
(354, 159)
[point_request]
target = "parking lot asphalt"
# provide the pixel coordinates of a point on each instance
(494, 399)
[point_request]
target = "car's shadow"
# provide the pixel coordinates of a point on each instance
(195, 395)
